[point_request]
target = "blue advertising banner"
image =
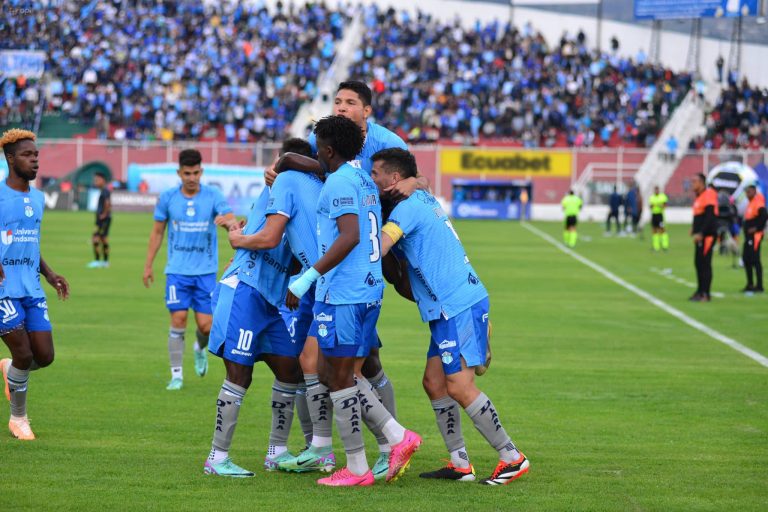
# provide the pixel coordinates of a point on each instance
(502, 210)
(685, 9)
(241, 185)
(28, 63)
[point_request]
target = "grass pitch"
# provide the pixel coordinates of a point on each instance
(618, 405)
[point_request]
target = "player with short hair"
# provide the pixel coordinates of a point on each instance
(704, 231)
(754, 225)
(24, 323)
(103, 220)
(247, 327)
(453, 300)
(291, 211)
(571, 204)
(658, 202)
(348, 300)
(193, 211)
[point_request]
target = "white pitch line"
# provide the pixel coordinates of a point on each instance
(667, 273)
(722, 338)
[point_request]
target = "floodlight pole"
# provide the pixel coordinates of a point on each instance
(599, 25)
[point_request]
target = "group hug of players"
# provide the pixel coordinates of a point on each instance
(344, 210)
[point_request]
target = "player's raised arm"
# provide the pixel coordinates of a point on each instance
(155, 241)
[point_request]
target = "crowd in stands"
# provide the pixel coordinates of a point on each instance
(434, 79)
(738, 120)
(167, 69)
(143, 69)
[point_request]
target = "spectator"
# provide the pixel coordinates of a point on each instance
(174, 70)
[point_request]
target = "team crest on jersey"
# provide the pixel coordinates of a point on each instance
(191, 212)
(7, 237)
(322, 330)
(29, 211)
(446, 357)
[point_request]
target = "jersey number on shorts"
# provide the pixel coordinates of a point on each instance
(7, 309)
(374, 237)
(245, 340)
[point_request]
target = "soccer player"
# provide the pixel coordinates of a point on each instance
(103, 221)
(348, 299)
(291, 211)
(453, 300)
(193, 211)
(353, 101)
(754, 224)
(704, 231)
(24, 323)
(571, 204)
(247, 327)
(660, 237)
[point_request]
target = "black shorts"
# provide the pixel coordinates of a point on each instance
(570, 221)
(657, 220)
(102, 227)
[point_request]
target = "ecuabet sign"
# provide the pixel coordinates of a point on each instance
(506, 163)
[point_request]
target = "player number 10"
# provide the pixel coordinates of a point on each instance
(245, 340)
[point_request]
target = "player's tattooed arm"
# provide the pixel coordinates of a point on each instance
(267, 237)
(58, 282)
(155, 241)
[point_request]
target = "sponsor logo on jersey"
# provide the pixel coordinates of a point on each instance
(323, 317)
(343, 201)
(445, 344)
(370, 200)
(7, 237)
(370, 280)
(485, 317)
(472, 279)
(20, 236)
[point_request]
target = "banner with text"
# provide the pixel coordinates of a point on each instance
(686, 9)
(28, 63)
(506, 163)
(241, 185)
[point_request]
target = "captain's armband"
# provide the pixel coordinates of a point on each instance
(393, 230)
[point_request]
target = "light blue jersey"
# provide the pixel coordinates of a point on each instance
(294, 195)
(21, 214)
(192, 242)
(357, 279)
(377, 138)
(442, 279)
(265, 270)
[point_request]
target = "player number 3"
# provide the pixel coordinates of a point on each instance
(374, 237)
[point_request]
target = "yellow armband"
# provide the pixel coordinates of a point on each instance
(393, 230)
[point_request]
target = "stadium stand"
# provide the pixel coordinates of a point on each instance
(146, 69)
